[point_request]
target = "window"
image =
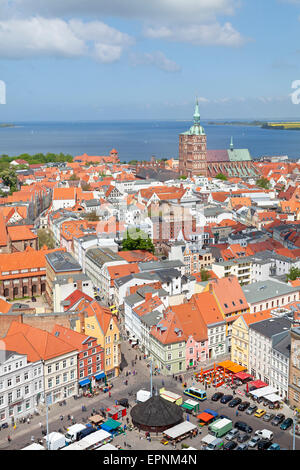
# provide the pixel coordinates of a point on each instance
(57, 366)
(9, 382)
(64, 364)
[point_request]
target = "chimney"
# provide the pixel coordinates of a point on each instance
(210, 288)
(81, 321)
(148, 296)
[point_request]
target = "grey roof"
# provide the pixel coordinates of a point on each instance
(64, 279)
(154, 265)
(6, 354)
(283, 345)
(101, 256)
(146, 276)
(271, 326)
(151, 318)
(62, 261)
(264, 290)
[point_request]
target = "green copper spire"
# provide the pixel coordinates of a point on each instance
(196, 129)
(196, 113)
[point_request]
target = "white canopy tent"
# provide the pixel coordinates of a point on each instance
(273, 397)
(263, 392)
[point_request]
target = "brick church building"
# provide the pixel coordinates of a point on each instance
(195, 159)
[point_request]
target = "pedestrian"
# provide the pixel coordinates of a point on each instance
(9, 438)
(41, 425)
(124, 444)
(61, 417)
(28, 420)
(109, 394)
(236, 413)
(163, 383)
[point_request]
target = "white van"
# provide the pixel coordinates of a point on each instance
(264, 434)
(217, 444)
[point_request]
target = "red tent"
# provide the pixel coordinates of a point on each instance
(243, 376)
(256, 384)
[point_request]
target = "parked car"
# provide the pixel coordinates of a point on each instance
(244, 405)
(242, 447)
(268, 416)
(241, 426)
(264, 444)
(232, 434)
(274, 406)
(4, 425)
(243, 437)
(231, 445)
(278, 419)
(234, 402)
(251, 409)
(253, 441)
(274, 446)
(226, 398)
(97, 297)
(224, 416)
(216, 396)
(259, 413)
(286, 424)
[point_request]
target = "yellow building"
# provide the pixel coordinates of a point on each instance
(99, 322)
(240, 336)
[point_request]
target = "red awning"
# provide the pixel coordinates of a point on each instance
(205, 417)
(257, 384)
(243, 376)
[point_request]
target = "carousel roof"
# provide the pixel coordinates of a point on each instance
(156, 411)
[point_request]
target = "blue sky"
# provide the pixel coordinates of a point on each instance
(135, 59)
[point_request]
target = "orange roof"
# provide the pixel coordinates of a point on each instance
(251, 318)
(73, 338)
(46, 345)
(167, 330)
(63, 193)
(229, 294)
(102, 314)
(136, 256)
(28, 259)
(191, 320)
(121, 270)
(21, 232)
(4, 306)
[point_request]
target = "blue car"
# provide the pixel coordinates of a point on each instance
(287, 423)
(274, 446)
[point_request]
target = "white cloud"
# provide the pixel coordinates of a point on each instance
(156, 59)
(37, 36)
(193, 21)
(198, 34)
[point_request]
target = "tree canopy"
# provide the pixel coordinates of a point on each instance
(293, 274)
(45, 237)
(137, 240)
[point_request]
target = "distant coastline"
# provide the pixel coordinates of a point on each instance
(237, 123)
(7, 125)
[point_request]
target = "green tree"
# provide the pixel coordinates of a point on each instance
(10, 179)
(205, 276)
(45, 237)
(221, 176)
(263, 183)
(136, 239)
(293, 274)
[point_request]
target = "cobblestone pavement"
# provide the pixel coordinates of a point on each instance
(21, 436)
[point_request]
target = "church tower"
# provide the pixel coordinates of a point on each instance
(192, 149)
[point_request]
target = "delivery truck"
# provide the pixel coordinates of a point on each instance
(73, 433)
(220, 427)
(55, 441)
